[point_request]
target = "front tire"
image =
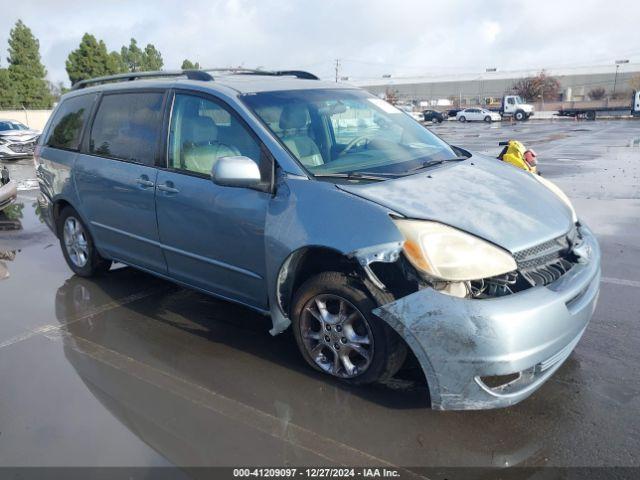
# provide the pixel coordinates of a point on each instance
(487, 119)
(519, 116)
(338, 335)
(78, 247)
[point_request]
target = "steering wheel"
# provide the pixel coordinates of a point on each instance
(353, 143)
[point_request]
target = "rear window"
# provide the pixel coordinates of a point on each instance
(127, 127)
(68, 122)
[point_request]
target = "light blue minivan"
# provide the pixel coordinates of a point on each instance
(334, 213)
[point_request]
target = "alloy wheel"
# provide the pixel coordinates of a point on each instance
(336, 336)
(75, 241)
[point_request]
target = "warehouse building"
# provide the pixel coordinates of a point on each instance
(487, 87)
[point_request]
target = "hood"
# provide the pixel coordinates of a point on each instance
(482, 196)
(19, 135)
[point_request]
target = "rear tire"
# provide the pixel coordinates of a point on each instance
(78, 247)
(591, 116)
(331, 319)
(462, 119)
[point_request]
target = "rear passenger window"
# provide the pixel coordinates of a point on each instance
(127, 126)
(68, 122)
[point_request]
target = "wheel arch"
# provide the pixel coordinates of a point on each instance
(304, 263)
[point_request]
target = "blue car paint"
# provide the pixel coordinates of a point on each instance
(480, 196)
(493, 200)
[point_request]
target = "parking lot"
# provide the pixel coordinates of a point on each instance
(132, 370)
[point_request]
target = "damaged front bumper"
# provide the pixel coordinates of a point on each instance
(490, 353)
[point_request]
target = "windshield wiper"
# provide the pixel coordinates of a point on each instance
(432, 163)
(357, 176)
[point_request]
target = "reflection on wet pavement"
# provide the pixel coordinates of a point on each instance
(128, 369)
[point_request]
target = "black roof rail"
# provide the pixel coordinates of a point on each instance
(272, 73)
(123, 77)
(296, 73)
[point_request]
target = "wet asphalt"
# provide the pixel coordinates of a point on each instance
(135, 371)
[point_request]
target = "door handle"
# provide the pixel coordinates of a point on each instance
(144, 182)
(168, 187)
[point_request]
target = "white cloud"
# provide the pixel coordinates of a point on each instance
(371, 37)
(490, 31)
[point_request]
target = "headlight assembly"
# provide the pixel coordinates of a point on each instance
(559, 193)
(445, 253)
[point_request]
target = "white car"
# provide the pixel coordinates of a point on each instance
(16, 140)
(477, 115)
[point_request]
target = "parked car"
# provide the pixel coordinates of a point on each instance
(433, 116)
(408, 109)
(8, 190)
(452, 112)
(334, 213)
(16, 140)
(477, 115)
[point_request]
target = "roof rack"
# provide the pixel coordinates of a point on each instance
(270, 73)
(122, 77)
(201, 75)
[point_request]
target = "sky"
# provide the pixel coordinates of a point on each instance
(370, 37)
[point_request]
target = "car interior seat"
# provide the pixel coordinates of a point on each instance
(293, 123)
(200, 146)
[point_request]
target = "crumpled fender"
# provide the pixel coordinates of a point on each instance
(306, 213)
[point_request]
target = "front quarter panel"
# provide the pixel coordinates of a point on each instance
(308, 213)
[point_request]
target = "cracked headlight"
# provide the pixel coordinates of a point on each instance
(560, 194)
(445, 253)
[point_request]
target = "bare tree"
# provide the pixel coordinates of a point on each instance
(541, 86)
(597, 93)
(391, 96)
(634, 83)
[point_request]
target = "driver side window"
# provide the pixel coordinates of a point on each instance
(203, 131)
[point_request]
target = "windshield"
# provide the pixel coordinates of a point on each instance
(347, 132)
(12, 125)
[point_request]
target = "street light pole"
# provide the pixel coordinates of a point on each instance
(615, 78)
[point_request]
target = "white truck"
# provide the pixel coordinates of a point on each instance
(514, 106)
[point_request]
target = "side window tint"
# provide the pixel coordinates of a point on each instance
(127, 126)
(203, 131)
(68, 122)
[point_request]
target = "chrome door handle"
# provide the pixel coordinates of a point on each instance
(168, 188)
(145, 182)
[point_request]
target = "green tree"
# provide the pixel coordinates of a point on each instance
(189, 65)
(151, 58)
(117, 63)
(8, 95)
(138, 60)
(26, 72)
(132, 56)
(91, 60)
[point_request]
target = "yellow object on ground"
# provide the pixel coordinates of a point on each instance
(515, 156)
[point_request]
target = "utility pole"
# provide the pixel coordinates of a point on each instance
(615, 78)
(337, 68)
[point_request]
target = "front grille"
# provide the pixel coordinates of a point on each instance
(23, 147)
(547, 262)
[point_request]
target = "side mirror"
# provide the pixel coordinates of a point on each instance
(236, 171)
